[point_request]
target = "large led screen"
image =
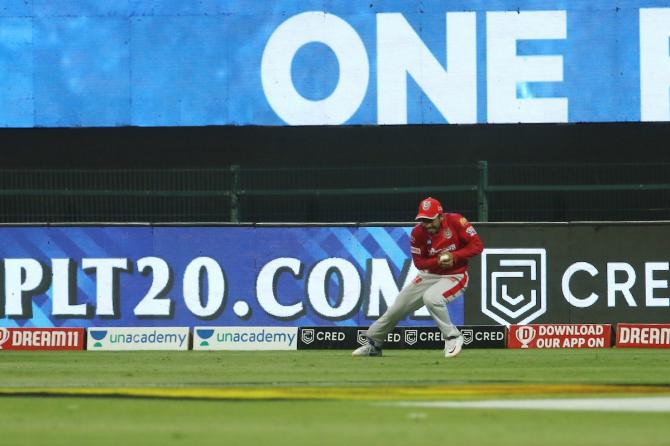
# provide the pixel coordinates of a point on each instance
(70, 63)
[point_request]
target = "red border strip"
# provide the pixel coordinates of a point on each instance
(458, 287)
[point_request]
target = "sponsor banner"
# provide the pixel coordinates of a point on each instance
(531, 273)
(560, 336)
(310, 276)
(41, 338)
(137, 338)
(643, 335)
(199, 276)
(318, 338)
(245, 338)
(484, 336)
(401, 337)
(335, 337)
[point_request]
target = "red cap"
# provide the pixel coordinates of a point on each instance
(429, 208)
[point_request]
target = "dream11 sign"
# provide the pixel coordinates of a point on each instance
(560, 336)
(48, 338)
(525, 334)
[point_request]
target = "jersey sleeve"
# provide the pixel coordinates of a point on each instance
(420, 250)
(472, 243)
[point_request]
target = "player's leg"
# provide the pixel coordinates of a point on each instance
(436, 299)
(409, 300)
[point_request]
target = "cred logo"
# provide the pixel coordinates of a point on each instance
(360, 337)
(514, 285)
(411, 336)
(307, 335)
(467, 335)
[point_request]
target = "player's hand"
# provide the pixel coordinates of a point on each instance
(446, 260)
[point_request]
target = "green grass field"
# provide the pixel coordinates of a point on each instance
(326, 397)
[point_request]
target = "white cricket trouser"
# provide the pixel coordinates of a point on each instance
(434, 291)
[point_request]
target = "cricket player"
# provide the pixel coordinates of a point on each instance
(441, 245)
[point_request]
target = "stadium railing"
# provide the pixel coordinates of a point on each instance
(481, 191)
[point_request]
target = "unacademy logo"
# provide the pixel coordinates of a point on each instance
(148, 338)
(246, 338)
(252, 337)
(98, 335)
(138, 338)
(205, 334)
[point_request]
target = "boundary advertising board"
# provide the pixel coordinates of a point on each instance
(42, 338)
(571, 273)
(560, 336)
(643, 335)
(401, 337)
(346, 275)
(245, 338)
(138, 338)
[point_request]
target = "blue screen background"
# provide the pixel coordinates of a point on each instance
(71, 63)
(241, 252)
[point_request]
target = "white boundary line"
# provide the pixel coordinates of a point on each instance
(646, 404)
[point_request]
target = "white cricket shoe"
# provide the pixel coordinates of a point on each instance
(453, 346)
(367, 350)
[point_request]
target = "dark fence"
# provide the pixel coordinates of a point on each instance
(481, 191)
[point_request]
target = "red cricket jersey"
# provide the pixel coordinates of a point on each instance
(456, 235)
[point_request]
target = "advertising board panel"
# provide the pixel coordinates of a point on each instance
(138, 338)
(643, 335)
(482, 336)
(62, 338)
(324, 276)
(570, 273)
(560, 336)
(196, 276)
(245, 338)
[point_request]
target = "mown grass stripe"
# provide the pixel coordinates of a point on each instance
(378, 393)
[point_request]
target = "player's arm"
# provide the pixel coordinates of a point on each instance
(472, 243)
(420, 251)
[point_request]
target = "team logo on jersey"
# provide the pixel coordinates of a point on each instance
(447, 233)
(464, 221)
